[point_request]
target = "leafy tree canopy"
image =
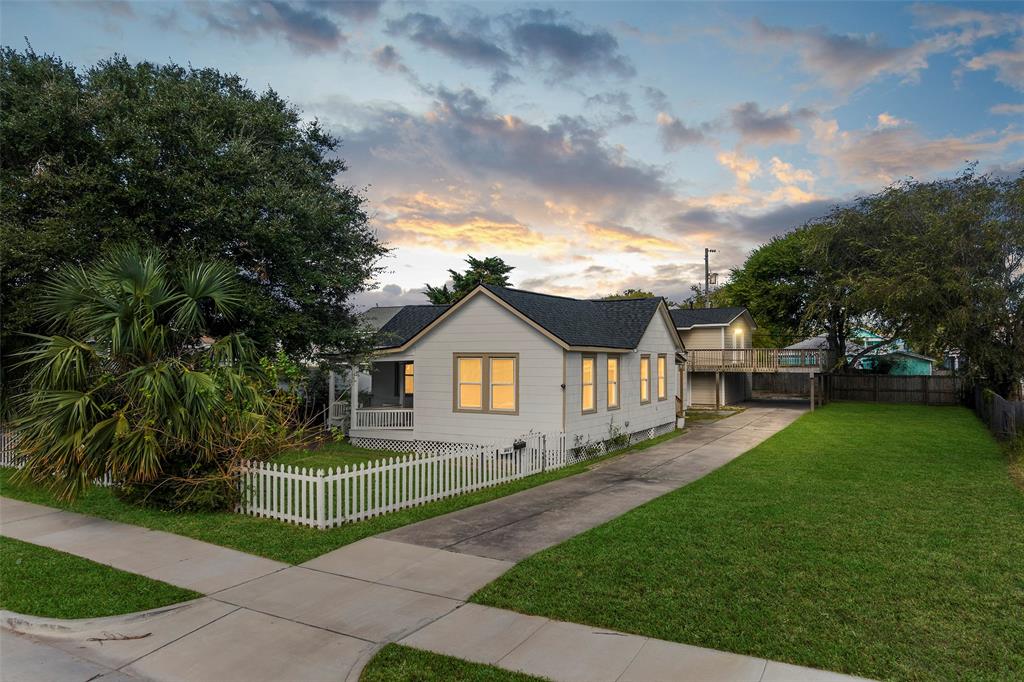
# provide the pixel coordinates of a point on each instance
(491, 270)
(941, 265)
(190, 161)
(937, 264)
(774, 285)
(628, 294)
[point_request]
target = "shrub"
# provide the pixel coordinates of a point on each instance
(131, 385)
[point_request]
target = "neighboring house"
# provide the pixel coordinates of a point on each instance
(503, 362)
(907, 363)
(902, 361)
(820, 343)
(718, 332)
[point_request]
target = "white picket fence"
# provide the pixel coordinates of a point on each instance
(10, 458)
(9, 455)
(324, 499)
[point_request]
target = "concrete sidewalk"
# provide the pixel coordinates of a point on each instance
(263, 620)
(174, 559)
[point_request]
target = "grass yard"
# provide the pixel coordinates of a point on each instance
(274, 539)
(39, 581)
(397, 663)
(331, 455)
(878, 540)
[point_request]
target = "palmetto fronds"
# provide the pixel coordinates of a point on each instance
(128, 384)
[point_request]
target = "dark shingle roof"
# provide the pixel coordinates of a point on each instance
(688, 317)
(578, 322)
(821, 343)
(378, 316)
(407, 323)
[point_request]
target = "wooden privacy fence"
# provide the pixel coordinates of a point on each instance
(782, 383)
(885, 388)
(324, 499)
(1004, 418)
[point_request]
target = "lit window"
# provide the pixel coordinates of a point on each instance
(662, 372)
(589, 393)
(613, 382)
(470, 383)
(645, 378)
(486, 383)
(408, 378)
(503, 384)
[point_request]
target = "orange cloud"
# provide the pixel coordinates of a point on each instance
(744, 168)
(457, 224)
(624, 238)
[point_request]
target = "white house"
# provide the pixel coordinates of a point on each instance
(720, 369)
(503, 362)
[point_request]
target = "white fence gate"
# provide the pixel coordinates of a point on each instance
(327, 499)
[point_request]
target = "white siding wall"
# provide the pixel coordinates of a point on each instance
(702, 337)
(595, 426)
(483, 326)
(744, 340)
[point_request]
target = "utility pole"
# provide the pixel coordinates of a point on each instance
(707, 278)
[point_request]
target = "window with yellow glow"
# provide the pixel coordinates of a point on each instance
(589, 392)
(613, 382)
(408, 378)
(470, 383)
(645, 378)
(503, 384)
(662, 377)
(486, 383)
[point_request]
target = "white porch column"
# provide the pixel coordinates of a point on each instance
(353, 396)
(331, 378)
(400, 369)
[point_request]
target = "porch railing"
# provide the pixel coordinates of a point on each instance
(338, 414)
(384, 418)
(753, 359)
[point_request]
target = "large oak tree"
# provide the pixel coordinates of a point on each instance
(190, 161)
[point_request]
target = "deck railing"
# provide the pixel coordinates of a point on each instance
(384, 418)
(753, 359)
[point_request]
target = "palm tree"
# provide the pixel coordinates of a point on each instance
(131, 385)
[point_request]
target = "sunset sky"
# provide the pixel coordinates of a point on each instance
(596, 146)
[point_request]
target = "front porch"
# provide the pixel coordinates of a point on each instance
(380, 402)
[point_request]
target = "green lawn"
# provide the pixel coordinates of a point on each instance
(397, 663)
(39, 581)
(331, 455)
(274, 539)
(879, 540)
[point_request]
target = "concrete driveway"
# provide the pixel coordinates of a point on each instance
(514, 527)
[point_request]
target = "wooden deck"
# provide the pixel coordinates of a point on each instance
(754, 360)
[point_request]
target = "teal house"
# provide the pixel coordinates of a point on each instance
(901, 360)
(906, 363)
(895, 354)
